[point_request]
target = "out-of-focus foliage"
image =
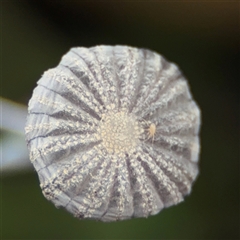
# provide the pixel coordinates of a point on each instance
(201, 37)
(14, 153)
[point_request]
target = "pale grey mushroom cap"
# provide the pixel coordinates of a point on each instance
(113, 133)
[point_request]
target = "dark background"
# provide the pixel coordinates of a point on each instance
(201, 37)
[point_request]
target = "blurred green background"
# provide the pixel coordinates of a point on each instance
(201, 37)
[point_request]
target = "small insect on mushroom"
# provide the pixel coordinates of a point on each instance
(151, 131)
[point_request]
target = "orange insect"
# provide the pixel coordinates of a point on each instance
(151, 131)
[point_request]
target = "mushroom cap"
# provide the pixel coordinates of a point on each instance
(88, 133)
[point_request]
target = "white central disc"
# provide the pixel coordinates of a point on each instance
(119, 132)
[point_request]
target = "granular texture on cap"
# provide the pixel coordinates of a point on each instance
(112, 132)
